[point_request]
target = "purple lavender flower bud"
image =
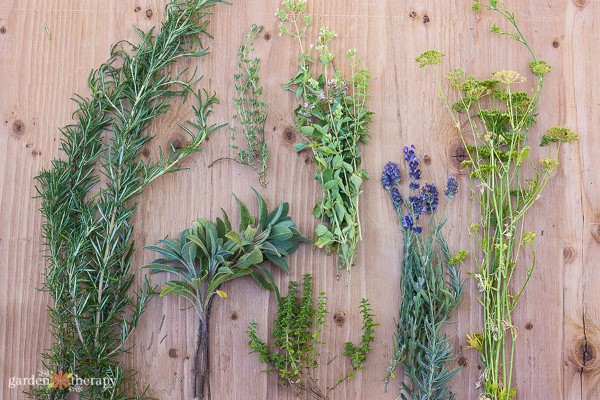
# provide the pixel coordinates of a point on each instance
(413, 162)
(417, 229)
(390, 176)
(408, 222)
(417, 203)
(430, 198)
(451, 187)
(414, 185)
(397, 197)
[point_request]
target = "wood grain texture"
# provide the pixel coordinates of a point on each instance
(559, 317)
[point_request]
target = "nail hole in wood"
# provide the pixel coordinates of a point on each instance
(529, 326)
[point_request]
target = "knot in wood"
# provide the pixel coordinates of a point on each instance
(177, 142)
(18, 128)
(339, 318)
(585, 354)
(289, 135)
(596, 233)
(569, 254)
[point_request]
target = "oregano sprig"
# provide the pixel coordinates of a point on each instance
(209, 254)
(87, 222)
(333, 118)
(293, 355)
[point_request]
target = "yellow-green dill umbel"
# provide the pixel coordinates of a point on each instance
(494, 117)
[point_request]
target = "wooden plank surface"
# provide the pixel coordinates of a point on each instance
(559, 317)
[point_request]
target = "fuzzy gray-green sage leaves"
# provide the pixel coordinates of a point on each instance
(209, 254)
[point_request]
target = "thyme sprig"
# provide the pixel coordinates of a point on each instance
(334, 120)
(87, 223)
(497, 121)
(210, 254)
(250, 108)
(294, 354)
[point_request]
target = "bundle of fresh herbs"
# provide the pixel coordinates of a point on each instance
(430, 284)
(293, 355)
(334, 121)
(494, 120)
(210, 254)
(250, 108)
(87, 229)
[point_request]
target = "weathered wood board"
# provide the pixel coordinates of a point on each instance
(47, 48)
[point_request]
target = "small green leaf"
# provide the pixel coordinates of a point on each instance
(245, 218)
(298, 147)
(250, 259)
(263, 213)
(234, 237)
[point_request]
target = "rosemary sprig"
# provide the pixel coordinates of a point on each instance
(334, 121)
(294, 354)
(430, 283)
(87, 229)
(208, 255)
(498, 119)
(250, 110)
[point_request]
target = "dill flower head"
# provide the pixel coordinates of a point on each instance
(430, 57)
(390, 176)
(558, 134)
(540, 67)
(509, 77)
(451, 187)
(549, 164)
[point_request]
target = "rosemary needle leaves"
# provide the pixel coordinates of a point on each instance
(210, 254)
(87, 229)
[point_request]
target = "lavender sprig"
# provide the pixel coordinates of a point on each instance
(427, 268)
